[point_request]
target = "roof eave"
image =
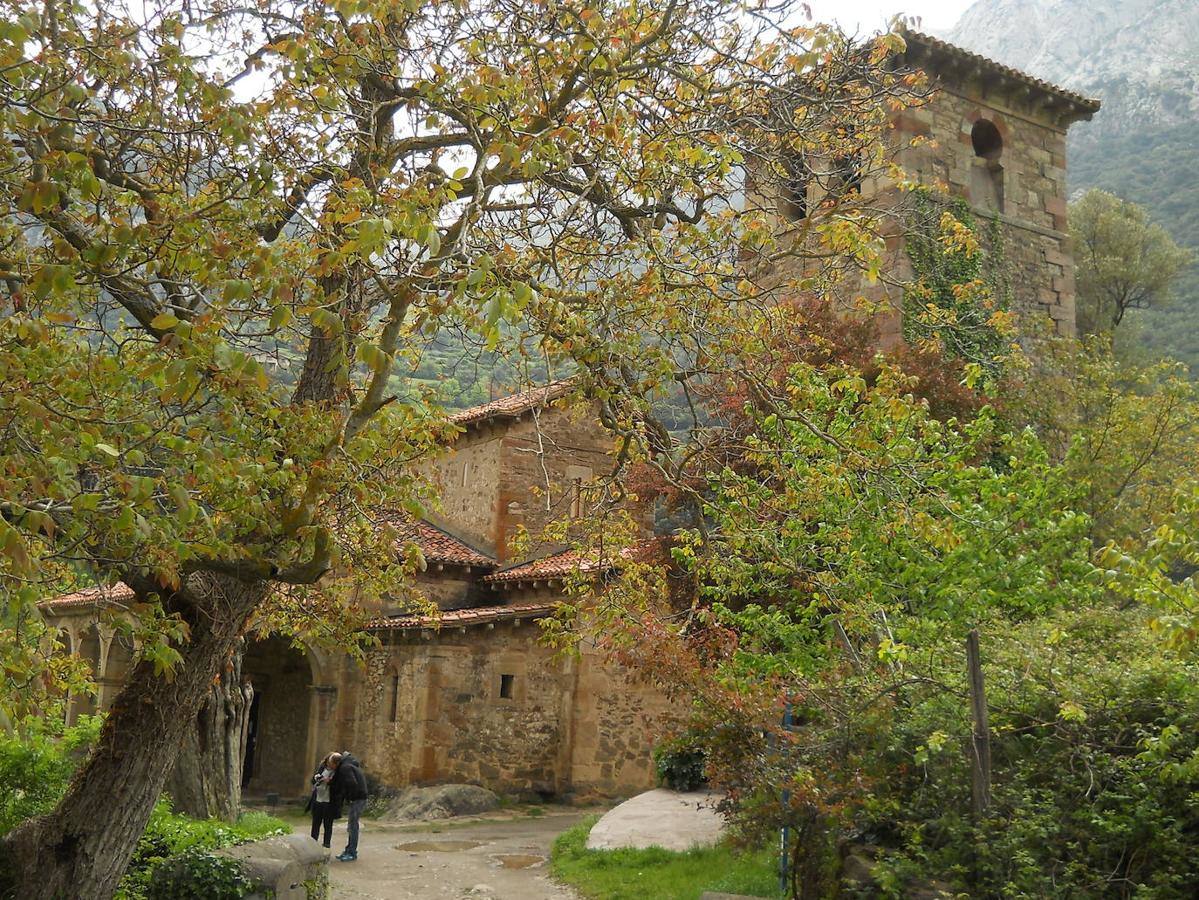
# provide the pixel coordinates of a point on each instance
(943, 58)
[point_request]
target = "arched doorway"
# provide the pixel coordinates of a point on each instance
(277, 744)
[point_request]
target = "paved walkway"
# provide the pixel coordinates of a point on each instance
(498, 857)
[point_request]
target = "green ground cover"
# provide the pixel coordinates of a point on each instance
(37, 765)
(637, 874)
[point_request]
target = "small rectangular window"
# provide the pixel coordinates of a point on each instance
(395, 697)
(576, 498)
(506, 686)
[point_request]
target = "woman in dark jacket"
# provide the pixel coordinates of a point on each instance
(324, 809)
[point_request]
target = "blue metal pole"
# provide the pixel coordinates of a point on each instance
(785, 834)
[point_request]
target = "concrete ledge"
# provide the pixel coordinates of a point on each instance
(285, 867)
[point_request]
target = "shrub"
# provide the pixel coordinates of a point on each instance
(1095, 749)
(36, 766)
(199, 875)
(680, 764)
(170, 838)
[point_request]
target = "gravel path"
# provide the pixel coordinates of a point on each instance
(487, 858)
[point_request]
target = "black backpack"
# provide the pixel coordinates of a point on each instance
(357, 789)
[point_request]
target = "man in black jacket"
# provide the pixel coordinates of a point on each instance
(349, 785)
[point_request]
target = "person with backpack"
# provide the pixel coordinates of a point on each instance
(349, 786)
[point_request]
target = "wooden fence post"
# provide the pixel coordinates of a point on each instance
(980, 744)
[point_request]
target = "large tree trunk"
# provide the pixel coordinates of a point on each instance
(206, 779)
(81, 849)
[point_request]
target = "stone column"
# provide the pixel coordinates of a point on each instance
(106, 692)
(322, 709)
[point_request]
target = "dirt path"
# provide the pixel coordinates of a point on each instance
(501, 858)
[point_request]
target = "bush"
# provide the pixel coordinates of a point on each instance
(36, 766)
(171, 859)
(680, 764)
(1095, 749)
(199, 875)
(173, 846)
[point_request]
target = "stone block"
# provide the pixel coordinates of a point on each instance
(660, 818)
(1063, 284)
(286, 867)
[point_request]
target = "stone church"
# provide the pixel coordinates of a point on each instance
(472, 695)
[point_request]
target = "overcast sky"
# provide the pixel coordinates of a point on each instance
(867, 16)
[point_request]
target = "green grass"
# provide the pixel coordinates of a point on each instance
(637, 874)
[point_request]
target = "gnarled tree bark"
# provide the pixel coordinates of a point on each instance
(81, 849)
(206, 779)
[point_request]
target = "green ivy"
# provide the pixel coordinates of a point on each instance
(960, 292)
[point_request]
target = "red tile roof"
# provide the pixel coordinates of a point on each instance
(478, 615)
(514, 405)
(557, 565)
(96, 596)
(567, 562)
(440, 546)
(922, 45)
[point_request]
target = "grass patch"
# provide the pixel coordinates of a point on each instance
(637, 874)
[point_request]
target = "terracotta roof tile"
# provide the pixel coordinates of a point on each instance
(478, 615)
(96, 596)
(514, 405)
(438, 545)
(919, 43)
(568, 562)
(557, 565)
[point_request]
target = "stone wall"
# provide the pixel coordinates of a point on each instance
(546, 462)
(616, 722)
(468, 481)
(1020, 181)
(503, 474)
(437, 709)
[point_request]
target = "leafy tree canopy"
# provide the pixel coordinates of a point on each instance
(1124, 260)
(224, 227)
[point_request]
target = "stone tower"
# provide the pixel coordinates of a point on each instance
(988, 134)
(996, 137)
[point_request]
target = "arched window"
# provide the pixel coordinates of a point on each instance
(986, 179)
(986, 140)
(793, 194)
(847, 175)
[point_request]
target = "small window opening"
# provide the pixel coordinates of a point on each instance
(395, 697)
(986, 140)
(506, 686)
(465, 474)
(847, 176)
(986, 179)
(796, 176)
(576, 498)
